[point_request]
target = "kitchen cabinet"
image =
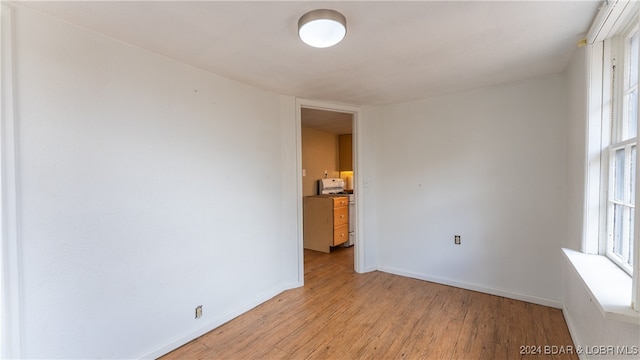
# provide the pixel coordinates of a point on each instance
(326, 222)
(345, 153)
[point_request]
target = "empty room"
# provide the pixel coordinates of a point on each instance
(319, 179)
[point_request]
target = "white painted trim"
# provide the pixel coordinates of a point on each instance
(573, 332)
(635, 291)
(299, 206)
(594, 177)
(606, 107)
(218, 321)
(606, 21)
(607, 284)
(360, 263)
(370, 269)
(360, 243)
(596, 28)
(11, 291)
(483, 289)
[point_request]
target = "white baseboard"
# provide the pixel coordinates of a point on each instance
(369, 269)
(483, 289)
(220, 320)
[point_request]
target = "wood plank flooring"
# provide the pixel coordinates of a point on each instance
(339, 314)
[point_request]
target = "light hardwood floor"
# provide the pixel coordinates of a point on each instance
(339, 314)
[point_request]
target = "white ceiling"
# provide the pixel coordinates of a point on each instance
(393, 52)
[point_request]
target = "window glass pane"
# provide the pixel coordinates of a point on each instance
(631, 103)
(617, 229)
(626, 240)
(633, 60)
(629, 254)
(632, 183)
(618, 183)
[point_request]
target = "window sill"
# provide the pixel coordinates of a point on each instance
(608, 285)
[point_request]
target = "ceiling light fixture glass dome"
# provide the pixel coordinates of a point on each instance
(322, 28)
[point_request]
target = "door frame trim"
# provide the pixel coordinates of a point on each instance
(356, 112)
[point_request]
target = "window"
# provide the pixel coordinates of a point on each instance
(612, 227)
(622, 149)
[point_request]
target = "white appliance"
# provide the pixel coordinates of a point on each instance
(335, 186)
(352, 220)
(331, 186)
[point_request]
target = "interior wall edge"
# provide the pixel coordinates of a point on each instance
(573, 331)
(290, 179)
(11, 330)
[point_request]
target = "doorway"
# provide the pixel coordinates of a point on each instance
(321, 126)
(327, 151)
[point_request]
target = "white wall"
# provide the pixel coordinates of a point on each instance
(587, 324)
(576, 147)
(369, 134)
(146, 188)
(487, 165)
(589, 329)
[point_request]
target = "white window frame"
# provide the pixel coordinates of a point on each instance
(626, 146)
(613, 19)
(618, 141)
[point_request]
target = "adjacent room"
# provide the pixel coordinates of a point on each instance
(200, 179)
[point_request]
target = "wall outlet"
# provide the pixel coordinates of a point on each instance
(456, 239)
(198, 311)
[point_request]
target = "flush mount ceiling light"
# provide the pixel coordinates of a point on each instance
(322, 28)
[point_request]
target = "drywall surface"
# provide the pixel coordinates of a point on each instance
(369, 134)
(488, 165)
(146, 188)
(594, 336)
(576, 147)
